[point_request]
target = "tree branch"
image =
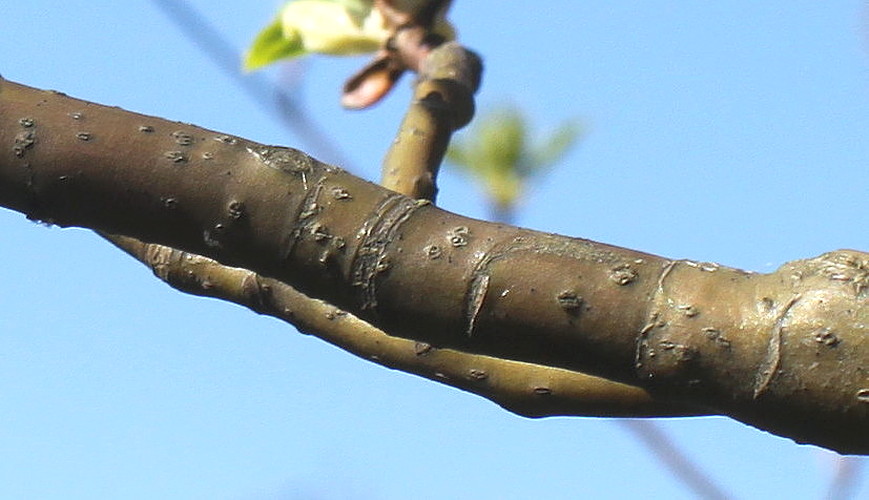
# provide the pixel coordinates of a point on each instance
(442, 103)
(784, 351)
(431, 118)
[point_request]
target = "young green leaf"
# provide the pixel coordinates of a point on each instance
(555, 145)
(337, 27)
(499, 154)
(271, 45)
(334, 27)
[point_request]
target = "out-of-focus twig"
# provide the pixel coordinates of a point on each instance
(662, 447)
(845, 478)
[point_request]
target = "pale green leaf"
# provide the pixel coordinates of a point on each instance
(458, 154)
(334, 27)
(271, 45)
(555, 146)
(498, 153)
(501, 136)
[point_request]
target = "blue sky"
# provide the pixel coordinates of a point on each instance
(733, 132)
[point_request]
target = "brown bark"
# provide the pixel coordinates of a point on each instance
(785, 351)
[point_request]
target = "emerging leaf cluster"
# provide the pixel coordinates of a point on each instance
(336, 27)
(500, 154)
(333, 27)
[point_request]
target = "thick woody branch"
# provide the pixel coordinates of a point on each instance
(785, 351)
(529, 389)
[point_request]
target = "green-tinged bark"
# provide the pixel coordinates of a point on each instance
(523, 388)
(785, 351)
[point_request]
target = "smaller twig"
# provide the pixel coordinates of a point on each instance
(442, 103)
(526, 389)
(425, 16)
(414, 34)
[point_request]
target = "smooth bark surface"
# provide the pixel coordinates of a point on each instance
(785, 351)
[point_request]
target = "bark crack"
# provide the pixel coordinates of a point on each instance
(642, 344)
(476, 295)
(771, 364)
(378, 231)
(307, 210)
